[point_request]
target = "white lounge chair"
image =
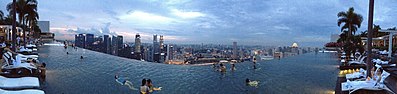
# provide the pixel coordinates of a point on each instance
(358, 74)
(384, 52)
(26, 91)
(11, 63)
(352, 86)
(380, 62)
(361, 61)
(19, 83)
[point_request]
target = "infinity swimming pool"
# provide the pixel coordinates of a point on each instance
(307, 73)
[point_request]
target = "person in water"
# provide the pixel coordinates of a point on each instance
(67, 52)
(81, 57)
(233, 67)
(223, 68)
(124, 81)
(150, 86)
(144, 88)
(248, 82)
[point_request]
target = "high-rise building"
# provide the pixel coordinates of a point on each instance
(125, 51)
(156, 49)
(119, 43)
(89, 38)
(235, 53)
(137, 51)
(98, 44)
(161, 43)
(107, 44)
(168, 54)
(114, 45)
(79, 40)
(44, 26)
(148, 53)
(162, 50)
(84, 40)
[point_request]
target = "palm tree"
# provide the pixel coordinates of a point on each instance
(369, 41)
(20, 6)
(1, 15)
(31, 14)
(351, 21)
(24, 8)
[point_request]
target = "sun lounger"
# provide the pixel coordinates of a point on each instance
(366, 85)
(384, 52)
(358, 74)
(380, 62)
(26, 91)
(10, 63)
(360, 61)
(19, 83)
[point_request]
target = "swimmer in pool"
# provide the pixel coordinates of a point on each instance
(124, 81)
(151, 87)
(248, 82)
(233, 67)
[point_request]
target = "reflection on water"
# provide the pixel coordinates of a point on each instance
(308, 73)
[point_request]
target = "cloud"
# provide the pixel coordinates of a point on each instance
(144, 17)
(270, 22)
(186, 15)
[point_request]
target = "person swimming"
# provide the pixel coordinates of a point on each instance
(223, 68)
(124, 81)
(81, 57)
(151, 87)
(67, 52)
(144, 89)
(233, 67)
(248, 82)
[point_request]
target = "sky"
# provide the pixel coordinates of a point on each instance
(248, 22)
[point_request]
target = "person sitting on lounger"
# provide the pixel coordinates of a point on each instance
(8, 48)
(124, 81)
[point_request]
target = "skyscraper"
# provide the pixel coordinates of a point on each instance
(161, 44)
(162, 50)
(137, 52)
(119, 44)
(44, 26)
(107, 44)
(234, 56)
(114, 48)
(89, 38)
(79, 40)
(156, 49)
(84, 40)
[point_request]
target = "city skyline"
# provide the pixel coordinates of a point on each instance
(270, 23)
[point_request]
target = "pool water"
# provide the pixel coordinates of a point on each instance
(67, 73)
